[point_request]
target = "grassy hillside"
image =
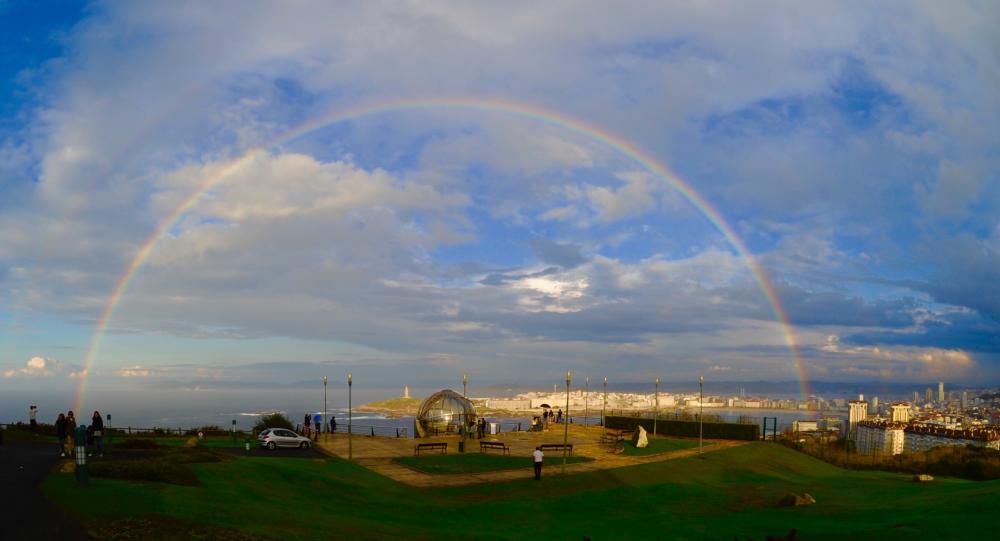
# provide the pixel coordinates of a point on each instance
(729, 494)
(394, 404)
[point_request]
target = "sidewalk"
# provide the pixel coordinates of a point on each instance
(26, 513)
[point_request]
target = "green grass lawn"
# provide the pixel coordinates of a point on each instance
(477, 463)
(728, 494)
(23, 435)
(659, 445)
(213, 442)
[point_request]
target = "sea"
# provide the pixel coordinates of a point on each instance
(224, 408)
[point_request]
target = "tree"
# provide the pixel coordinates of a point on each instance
(274, 420)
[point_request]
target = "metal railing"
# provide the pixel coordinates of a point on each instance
(372, 431)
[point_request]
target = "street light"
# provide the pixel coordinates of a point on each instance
(656, 405)
(604, 408)
(566, 423)
(463, 430)
(701, 409)
(350, 447)
(324, 428)
(586, 401)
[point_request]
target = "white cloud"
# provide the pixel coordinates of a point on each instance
(359, 233)
(43, 367)
(136, 371)
(637, 195)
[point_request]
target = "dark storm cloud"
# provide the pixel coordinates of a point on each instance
(965, 331)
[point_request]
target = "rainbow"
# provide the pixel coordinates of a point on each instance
(594, 132)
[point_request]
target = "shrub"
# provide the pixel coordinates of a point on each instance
(159, 471)
(274, 420)
(688, 429)
(137, 443)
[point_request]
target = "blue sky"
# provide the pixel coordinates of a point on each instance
(853, 148)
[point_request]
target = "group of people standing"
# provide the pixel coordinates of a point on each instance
(80, 438)
(478, 427)
(317, 422)
(548, 417)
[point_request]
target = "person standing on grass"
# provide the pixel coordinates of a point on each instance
(97, 429)
(305, 425)
(61, 433)
(333, 425)
(538, 457)
(32, 414)
(318, 423)
(70, 432)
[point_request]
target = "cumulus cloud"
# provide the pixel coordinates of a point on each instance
(861, 171)
(136, 371)
(44, 367)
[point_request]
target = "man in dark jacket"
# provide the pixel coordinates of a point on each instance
(61, 432)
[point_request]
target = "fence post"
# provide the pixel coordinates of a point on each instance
(397, 432)
(373, 431)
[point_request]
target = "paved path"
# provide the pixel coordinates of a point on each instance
(26, 514)
(398, 472)
(377, 454)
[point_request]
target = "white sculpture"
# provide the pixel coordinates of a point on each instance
(640, 440)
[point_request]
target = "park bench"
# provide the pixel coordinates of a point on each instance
(497, 445)
(557, 447)
(443, 446)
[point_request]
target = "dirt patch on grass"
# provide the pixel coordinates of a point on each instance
(159, 528)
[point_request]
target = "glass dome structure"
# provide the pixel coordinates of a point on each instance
(444, 412)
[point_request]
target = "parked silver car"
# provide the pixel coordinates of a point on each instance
(281, 437)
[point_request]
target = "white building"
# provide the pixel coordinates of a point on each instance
(900, 412)
(921, 438)
(881, 438)
(940, 391)
(888, 438)
(858, 412)
(805, 425)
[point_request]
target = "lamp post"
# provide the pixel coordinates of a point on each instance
(566, 423)
(701, 409)
(656, 405)
(350, 443)
(586, 400)
(325, 428)
(604, 408)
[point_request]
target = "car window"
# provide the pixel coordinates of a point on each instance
(286, 433)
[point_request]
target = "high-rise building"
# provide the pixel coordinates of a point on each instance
(858, 412)
(900, 412)
(965, 400)
(916, 397)
(875, 404)
(928, 395)
(940, 391)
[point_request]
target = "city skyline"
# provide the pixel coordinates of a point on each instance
(230, 197)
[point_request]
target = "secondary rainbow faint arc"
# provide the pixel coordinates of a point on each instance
(576, 125)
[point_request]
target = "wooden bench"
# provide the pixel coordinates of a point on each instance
(498, 445)
(557, 447)
(443, 446)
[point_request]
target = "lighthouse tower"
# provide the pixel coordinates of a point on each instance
(406, 391)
